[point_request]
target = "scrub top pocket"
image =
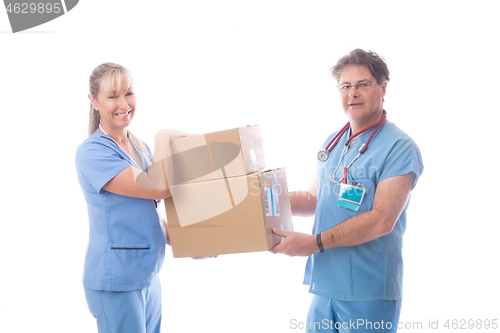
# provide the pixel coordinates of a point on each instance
(133, 260)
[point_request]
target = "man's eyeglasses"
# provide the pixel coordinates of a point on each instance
(362, 86)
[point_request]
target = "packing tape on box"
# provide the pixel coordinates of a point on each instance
(253, 158)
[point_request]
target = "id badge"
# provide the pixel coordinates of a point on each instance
(351, 196)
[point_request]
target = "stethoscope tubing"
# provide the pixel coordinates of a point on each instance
(323, 154)
(344, 129)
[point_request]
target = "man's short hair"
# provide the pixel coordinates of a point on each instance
(375, 64)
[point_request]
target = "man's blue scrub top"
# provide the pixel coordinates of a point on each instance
(373, 270)
(126, 235)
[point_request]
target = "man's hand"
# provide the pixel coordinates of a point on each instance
(295, 243)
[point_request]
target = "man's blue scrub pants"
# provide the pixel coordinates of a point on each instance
(331, 315)
(136, 311)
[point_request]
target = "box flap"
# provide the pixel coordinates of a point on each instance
(207, 156)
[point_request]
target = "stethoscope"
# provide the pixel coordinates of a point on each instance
(146, 158)
(323, 154)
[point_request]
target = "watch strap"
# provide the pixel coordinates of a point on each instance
(318, 241)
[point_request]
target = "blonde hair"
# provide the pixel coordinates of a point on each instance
(109, 73)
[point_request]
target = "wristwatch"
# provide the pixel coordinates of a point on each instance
(318, 241)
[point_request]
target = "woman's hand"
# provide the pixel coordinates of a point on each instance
(161, 170)
(162, 142)
(204, 257)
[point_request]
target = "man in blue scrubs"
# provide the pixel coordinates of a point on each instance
(355, 265)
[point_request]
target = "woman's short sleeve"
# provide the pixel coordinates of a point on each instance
(99, 163)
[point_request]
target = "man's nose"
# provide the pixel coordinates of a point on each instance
(353, 91)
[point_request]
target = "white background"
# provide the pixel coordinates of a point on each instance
(204, 66)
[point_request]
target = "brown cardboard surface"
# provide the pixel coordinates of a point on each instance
(236, 220)
(217, 155)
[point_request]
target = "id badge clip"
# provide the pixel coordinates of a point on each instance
(351, 196)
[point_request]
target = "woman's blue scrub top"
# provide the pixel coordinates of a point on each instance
(373, 270)
(126, 235)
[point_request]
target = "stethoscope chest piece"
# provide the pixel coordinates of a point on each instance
(322, 155)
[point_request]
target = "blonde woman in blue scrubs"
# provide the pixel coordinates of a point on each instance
(122, 184)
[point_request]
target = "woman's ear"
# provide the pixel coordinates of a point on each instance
(93, 102)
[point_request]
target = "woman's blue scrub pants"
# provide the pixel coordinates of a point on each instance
(136, 311)
(331, 315)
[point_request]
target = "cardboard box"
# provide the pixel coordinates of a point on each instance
(231, 215)
(217, 155)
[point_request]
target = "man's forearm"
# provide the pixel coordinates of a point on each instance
(357, 230)
(391, 197)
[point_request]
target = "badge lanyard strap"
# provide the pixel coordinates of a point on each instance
(362, 149)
